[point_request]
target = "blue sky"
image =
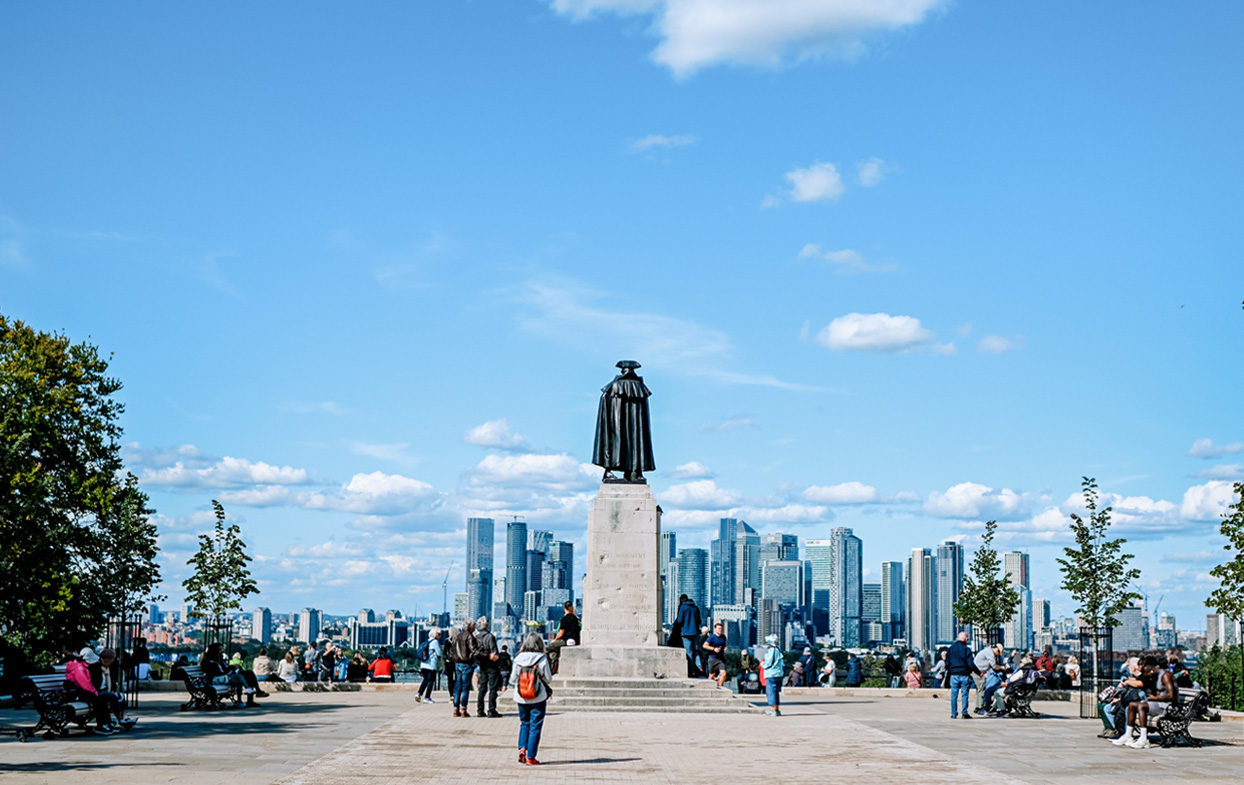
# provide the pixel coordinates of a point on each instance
(901, 268)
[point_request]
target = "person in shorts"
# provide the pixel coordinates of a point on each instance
(715, 645)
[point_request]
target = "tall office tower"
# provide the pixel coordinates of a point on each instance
(538, 540)
(667, 553)
(462, 607)
(871, 609)
(671, 595)
(1018, 631)
(366, 615)
(515, 565)
(535, 570)
(187, 613)
(746, 563)
(533, 611)
(770, 621)
(479, 567)
(1220, 630)
(1130, 634)
(153, 613)
(693, 577)
(921, 599)
(949, 584)
(261, 625)
(893, 598)
(782, 581)
(1040, 613)
(721, 557)
(779, 547)
(559, 567)
(669, 550)
(309, 625)
(737, 620)
(846, 587)
(820, 554)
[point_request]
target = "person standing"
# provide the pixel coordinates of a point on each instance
(808, 660)
(830, 672)
(311, 663)
(855, 670)
(569, 633)
(715, 645)
(988, 662)
(940, 673)
(960, 667)
(140, 660)
(530, 679)
(429, 665)
(464, 648)
(892, 672)
(486, 657)
(773, 665)
(689, 622)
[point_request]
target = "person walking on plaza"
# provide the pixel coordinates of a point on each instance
(773, 666)
(569, 633)
(429, 654)
(464, 648)
(486, 657)
(530, 679)
(715, 646)
(960, 667)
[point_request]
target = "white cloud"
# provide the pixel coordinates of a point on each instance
(870, 173)
(1207, 502)
(494, 433)
(384, 452)
(660, 140)
(1205, 448)
(943, 349)
(225, 473)
(973, 501)
(845, 261)
(555, 472)
(996, 344)
(1226, 471)
(699, 33)
(844, 493)
(817, 183)
(699, 494)
(731, 424)
(873, 332)
(691, 470)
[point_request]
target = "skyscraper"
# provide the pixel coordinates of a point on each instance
(538, 540)
(782, 581)
(309, 625)
(559, 567)
(893, 598)
(846, 586)
(665, 563)
(820, 554)
(721, 556)
(669, 549)
(693, 576)
(921, 599)
(778, 546)
(871, 609)
(949, 584)
(1017, 633)
(1015, 564)
(261, 625)
(479, 567)
(515, 565)
(535, 570)
(747, 563)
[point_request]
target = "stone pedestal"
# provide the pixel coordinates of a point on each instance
(622, 600)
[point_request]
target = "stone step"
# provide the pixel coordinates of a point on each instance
(636, 684)
(623, 692)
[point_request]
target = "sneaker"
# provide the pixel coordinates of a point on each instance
(429, 700)
(1141, 743)
(777, 712)
(967, 716)
(769, 713)
(980, 712)
(522, 755)
(418, 699)
(456, 713)
(496, 715)
(1124, 738)
(260, 694)
(533, 762)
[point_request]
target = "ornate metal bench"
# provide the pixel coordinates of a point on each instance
(1173, 725)
(58, 707)
(1017, 700)
(204, 694)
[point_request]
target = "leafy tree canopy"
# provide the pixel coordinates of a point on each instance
(987, 600)
(1095, 571)
(221, 578)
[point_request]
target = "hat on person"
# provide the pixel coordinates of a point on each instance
(628, 364)
(771, 639)
(807, 649)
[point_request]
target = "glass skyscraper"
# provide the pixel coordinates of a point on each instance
(949, 584)
(515, 565)
(893, 598)
(693, 577)
(479, 566)
(846, 586)
(921, 600)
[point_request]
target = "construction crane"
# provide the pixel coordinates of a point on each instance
(445, 588)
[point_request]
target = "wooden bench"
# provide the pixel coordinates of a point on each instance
(58, 707)
(204, 694)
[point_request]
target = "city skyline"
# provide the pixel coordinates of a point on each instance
(899, 276)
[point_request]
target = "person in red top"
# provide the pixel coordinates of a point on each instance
(78, 684)
(382, 668)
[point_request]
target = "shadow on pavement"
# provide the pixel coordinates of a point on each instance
(589, 760)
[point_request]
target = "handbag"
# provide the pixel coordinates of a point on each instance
(763, 683)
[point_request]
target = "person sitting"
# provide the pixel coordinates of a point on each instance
(381, 668)
(795, 677)
(106, 678)
(222, 674)
(236, 661)
(569, 631)
(287, 669)
(358, 670)
(1183, 678)
(78, 686)
(1161, 691)
(912, 678)
(1025, 674)
(263, 667)
(178, 670)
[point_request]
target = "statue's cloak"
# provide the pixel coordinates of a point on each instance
(623, 434)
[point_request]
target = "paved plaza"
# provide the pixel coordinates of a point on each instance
(379, 737)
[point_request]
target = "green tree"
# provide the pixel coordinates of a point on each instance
(126, 564)
(60, 460)
(221, 578)
(1228, 598)
(1095, 571)
(987, 600)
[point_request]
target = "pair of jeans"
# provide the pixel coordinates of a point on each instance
(959, 683)
(429, 681)
(462, 684)
(773, 689)
(530, 723)
(992, 682)
(489, 683)
(693, 661)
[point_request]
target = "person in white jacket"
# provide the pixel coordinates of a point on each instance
(531, 676)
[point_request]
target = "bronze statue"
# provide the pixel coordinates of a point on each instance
(623, 436)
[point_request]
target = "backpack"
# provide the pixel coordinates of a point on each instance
(529, 681)
(421, 653)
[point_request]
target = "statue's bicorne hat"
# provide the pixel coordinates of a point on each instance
(625, 364)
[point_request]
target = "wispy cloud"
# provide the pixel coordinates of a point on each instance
(845, 261)
(996, 344)
(1205, 448)
(496, 434)
(652, 141)
(731, 424)
(870, 173)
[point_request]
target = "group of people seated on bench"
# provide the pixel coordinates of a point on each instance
(98, 684)
(1148, 689)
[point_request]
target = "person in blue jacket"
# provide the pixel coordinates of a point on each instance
(689, 621)
(855, 671)
(773, 666)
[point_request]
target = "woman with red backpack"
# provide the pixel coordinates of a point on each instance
(530, 679)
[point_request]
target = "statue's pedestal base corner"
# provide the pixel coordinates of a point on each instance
(621, 662)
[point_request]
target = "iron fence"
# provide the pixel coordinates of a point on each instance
(1096, 666)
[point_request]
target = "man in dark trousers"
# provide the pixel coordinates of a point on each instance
(689, 622)
(489, 672)
(960, 667)
(569, 633)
